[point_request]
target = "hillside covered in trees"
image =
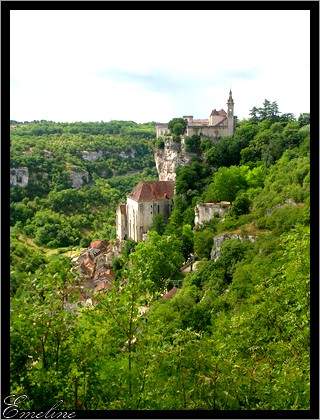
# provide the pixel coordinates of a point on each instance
(109, 157)
(234, 336)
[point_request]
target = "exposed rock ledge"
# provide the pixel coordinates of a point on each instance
(218, 240)
(78, 178)
(170, 158)
(19, 176)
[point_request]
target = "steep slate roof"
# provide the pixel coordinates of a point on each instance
(152, 191)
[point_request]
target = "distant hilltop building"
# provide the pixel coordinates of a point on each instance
(147, 199)
(219, 124)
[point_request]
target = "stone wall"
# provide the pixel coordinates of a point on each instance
(139, 217)
(121, 222)
(207, 131)
(206, 211)
(162, 129)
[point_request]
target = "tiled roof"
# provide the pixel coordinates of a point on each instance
(106, 275)
(87, 264)
(152, 190)
(102, 286)
(170, 294)
(99, 244)
(222, 113)
(220, 122)
(198, 122)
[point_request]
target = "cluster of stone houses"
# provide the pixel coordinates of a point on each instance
(134, 219)
(95, 269)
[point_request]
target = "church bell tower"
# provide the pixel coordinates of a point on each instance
(230, 105)
(230, 113)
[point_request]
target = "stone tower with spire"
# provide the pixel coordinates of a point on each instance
(230, 115)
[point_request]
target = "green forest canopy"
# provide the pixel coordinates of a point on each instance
(236, 334)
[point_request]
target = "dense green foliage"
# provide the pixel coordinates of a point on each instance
(177, 127)
(236, 334)
(48, 209)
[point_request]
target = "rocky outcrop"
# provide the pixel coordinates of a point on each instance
(47, 153)
(288, 202)
(218, 241)
(91, 156)
(19, 176)
(170, 157)
(127, 155)
(37, 178)
(78, 178)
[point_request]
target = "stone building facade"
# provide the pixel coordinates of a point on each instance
(207, 211)
(147, 199)
(219, 124)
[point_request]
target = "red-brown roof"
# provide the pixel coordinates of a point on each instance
(152, 190)
(102, 286)
(88, 263)
(198, 122)
(222, 113)
(105, 275)
(99, 244)
(170, 294)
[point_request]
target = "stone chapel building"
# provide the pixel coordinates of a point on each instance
(147, 199)
(219, 124)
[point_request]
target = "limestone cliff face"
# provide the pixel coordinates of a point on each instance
(91, 156)
(78, 178)
(170, 157)
(218, 241)
(19, 176)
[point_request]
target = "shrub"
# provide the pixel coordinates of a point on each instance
(160, 143)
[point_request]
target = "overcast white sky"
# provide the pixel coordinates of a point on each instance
(87, 65)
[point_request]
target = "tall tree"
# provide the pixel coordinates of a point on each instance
(156, 259)
(227, 182)
(177, 126)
